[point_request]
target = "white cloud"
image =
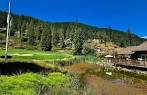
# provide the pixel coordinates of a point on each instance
(145, 37)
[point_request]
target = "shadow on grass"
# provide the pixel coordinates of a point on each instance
(13, 68)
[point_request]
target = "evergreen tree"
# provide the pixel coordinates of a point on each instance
(55, 36)
(110, 33)
(22, 32)
(62, 37)
(45, 43)
(31, 37)
(105, 37)
(79, 39)
(34, 28)
(129, 34)
(3, 19)
(31, 34)
(122, 45)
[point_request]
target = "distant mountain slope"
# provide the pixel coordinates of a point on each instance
(27, 30)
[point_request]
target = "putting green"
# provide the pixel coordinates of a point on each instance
(30, 55)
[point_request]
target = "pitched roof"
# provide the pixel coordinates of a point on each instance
(128, 50)
(142, 47)
(133, 49)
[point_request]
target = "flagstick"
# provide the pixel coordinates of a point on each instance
(8, 30)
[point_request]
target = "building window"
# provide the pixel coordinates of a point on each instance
(144, 57)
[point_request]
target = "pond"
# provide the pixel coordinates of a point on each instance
(108, 81)
(114, 82)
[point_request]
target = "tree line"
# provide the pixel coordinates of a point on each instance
(30, 32)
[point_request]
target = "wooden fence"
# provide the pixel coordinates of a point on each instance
(129, 62)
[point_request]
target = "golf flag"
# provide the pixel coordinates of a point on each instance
(8, 17)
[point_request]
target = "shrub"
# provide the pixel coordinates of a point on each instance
(30, 83)
(87, 50)
(72, 87)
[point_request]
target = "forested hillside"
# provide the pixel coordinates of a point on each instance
(28, 32)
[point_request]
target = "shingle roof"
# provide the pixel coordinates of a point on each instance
(128, 50)
(142, 47)
(133, 49)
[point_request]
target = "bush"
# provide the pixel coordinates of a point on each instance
(87, 50)
(101, 55)
(30, 83)
(72, 87)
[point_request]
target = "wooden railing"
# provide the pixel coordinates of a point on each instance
(129, 62)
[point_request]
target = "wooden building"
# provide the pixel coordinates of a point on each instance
(135, 52)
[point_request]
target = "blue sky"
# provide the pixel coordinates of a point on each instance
(120, 14)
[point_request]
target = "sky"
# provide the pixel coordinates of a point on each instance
(119, 14)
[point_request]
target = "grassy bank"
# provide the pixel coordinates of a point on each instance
(30, 83)
(23, 74)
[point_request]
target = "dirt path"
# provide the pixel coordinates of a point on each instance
(107, 87)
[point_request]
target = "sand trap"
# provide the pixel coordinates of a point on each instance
(26, 54)
(22, 54)
(15, 54)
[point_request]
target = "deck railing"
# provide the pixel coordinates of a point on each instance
(129, 62)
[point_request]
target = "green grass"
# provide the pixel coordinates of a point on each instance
(37, 84)
(88, 58)
(30, 83)
(21, 55)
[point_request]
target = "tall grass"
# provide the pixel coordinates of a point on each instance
(78, 59)
(87, 58)
(73, 86)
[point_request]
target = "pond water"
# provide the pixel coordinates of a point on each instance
(108, 81)
(114, 82)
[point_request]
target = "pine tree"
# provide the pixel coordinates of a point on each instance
(31, 34)
(45, 43)
(55, 37)
(110, 33)
(62, 36)
(79, 39)
(129, 34)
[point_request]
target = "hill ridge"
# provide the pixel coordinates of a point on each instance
(24, 26)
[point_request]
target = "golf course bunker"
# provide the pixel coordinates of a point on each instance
(21, 54)
(13, 68)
